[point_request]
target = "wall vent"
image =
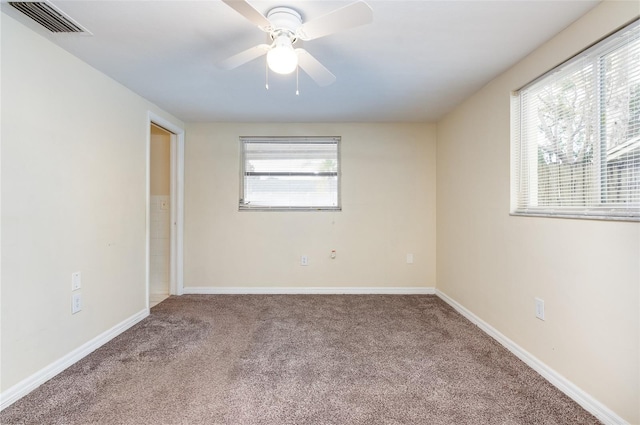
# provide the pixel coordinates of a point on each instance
(48, 16)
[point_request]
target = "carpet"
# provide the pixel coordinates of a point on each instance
(299, 359)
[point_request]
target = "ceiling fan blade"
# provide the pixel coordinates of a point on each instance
(249, 12)
(321, 75)
(244, 57)
(350, 16)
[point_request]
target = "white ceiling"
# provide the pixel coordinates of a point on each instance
(415, 62)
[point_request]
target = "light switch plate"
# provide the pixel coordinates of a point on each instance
(76, 281)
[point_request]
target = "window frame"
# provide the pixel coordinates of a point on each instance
(524, 155)
(335, 140)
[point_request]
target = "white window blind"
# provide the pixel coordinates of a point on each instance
(290, 173)
(576, 134)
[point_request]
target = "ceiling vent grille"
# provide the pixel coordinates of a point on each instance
(48, 16)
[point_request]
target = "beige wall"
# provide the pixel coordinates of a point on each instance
(160, 172)
(388, 210)
(74, 190)
(588, 272)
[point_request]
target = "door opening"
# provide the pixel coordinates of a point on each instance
(165, 199)
(159, 215)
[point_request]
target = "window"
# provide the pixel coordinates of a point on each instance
(576, 135)
(290, 173)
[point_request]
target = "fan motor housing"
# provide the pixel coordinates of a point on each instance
(284, 19)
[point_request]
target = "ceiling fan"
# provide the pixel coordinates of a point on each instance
(285, 27)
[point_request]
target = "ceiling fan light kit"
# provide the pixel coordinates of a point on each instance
(285, 27)
(282, 59)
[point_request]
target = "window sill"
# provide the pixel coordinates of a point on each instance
(290, 209)
(576, 215)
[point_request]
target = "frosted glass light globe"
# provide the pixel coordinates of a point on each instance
(282, 59)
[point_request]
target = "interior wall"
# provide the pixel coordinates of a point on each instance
(388, 211)
(494, 264)
(74, 190)
(160, 170)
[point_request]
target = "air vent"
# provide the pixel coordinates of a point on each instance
(48, 16)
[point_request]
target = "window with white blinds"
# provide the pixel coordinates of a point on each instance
(290, 173)
(576, 135)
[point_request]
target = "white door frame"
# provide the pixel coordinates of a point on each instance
(176, 283)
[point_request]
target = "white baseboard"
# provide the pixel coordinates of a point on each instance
(29, 384)
(244, 290)
(590, 404)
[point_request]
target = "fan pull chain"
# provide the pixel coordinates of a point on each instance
(297, 85)
(266, 74)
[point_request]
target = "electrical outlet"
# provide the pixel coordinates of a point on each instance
(76, 281)
(76, 303)
(409, 258)
(304, 260)
(539, 308)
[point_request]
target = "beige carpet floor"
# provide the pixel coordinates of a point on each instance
(299, 359)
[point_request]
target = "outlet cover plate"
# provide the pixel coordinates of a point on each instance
(539, 308)
(76, 303)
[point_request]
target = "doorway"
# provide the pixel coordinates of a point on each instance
(165, 163)
(159, 215)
